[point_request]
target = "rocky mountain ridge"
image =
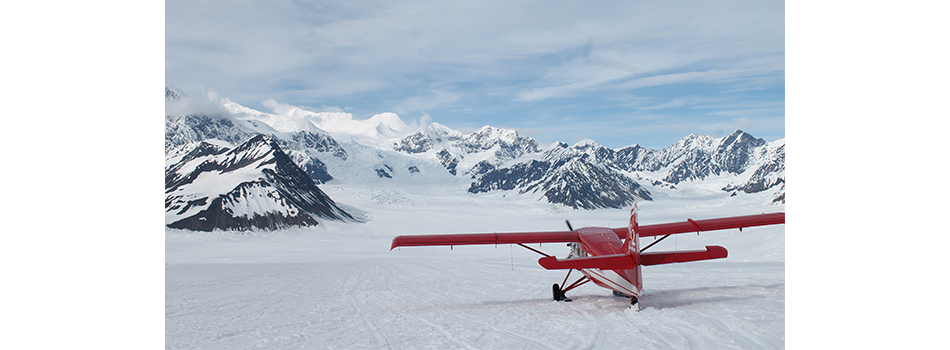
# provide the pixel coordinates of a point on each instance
(586, 175)
(255, 185)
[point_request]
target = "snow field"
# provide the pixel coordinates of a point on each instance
(415, 303)
(339, 286)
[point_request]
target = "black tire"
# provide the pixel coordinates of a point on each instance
(558, 294)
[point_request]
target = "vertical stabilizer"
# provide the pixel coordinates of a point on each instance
(632, 244)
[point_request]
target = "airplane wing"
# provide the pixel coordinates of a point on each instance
(706, 225)
(571, 236)
(485, 238)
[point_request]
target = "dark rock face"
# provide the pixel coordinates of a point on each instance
(419, 142)
(588, 186)
(510, 144)
(314, 141)
(316, 170)
(503, 144)
(448, 161)
(480, 168)
(779, 199)
(768, 175)
(270, 191)
(181, 130)
(698, 157)
(735, 151)
(216, 216)
(570, 180)
(520, 175)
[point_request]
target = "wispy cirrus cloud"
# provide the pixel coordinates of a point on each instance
(471, 62)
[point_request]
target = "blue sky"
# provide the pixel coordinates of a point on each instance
(619, 73)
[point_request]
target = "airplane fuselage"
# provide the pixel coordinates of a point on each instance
(598, 241)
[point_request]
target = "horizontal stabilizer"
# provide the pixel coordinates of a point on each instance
(659, 258)
(485, 238)
(603, 262)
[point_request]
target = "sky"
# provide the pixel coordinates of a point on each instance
(620, 73)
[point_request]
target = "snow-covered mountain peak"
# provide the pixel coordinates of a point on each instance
(556, 145)
(252, 186)
(389, 120)
(555, 149)
(438, 132)
(493, 133)
(489, 136)
(258, 146)
(693, 141)
(579, 149)
(741, 139)
(289, 118)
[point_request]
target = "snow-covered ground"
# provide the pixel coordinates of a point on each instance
(339, 286)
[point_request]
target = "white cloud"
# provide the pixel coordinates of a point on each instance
(425, 120)
(206, 104)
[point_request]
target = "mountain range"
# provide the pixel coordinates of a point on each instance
(333, 146)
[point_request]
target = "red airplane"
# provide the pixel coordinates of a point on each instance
(611, 258)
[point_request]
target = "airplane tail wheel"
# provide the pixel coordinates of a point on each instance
(558, 294)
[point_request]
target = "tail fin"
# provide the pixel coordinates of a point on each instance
(631, 245)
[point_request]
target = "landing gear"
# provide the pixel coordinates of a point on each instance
(634, 301)
(558, 293)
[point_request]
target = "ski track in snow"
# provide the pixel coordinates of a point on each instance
(338, 286)
(470, 305)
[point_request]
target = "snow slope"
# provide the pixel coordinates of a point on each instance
(338, 285)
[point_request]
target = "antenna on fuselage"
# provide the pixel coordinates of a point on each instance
(568, 222)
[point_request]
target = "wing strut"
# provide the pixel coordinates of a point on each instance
(654, 242)
(580, 282)
(533, 250)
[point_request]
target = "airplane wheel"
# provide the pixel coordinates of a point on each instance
(558, 294)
